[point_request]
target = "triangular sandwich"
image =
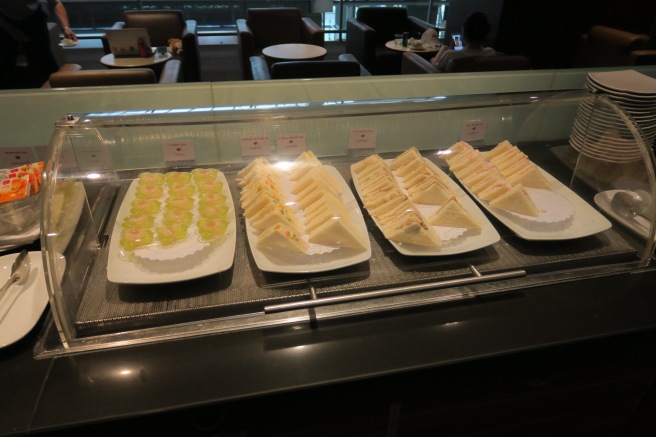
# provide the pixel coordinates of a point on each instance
(452, 214)
(516, 200)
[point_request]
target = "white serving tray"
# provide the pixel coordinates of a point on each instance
(285, 262)
(214, 258)
(584, 220)
(468, 241)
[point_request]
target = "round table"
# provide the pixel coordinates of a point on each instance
(399, 48)
(294, 52)
(135, 62)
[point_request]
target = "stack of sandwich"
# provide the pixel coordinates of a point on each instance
(383, 190)
(312, 207)
(500, 177)
(266, 207)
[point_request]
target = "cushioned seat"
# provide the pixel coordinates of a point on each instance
(604, 46)
(415, 64)
(345, 66)
(71, 75)
(264, 27)
(367, 33)
(163, 25)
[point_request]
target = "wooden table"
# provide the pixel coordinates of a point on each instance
(294, 52)
(399, 48)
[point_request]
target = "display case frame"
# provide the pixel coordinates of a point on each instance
(111, 149)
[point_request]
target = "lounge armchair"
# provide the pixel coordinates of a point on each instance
(345, 66)
(71, 75)
(604, 46)
(367, 33)
(163, 25)
(264, 27)
(415, 64)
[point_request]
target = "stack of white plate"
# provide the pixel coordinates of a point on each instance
(599, 132)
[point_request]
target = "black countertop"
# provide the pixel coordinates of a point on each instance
(82, 389)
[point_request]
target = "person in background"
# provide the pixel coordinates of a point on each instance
(474, 32)
(24, 28)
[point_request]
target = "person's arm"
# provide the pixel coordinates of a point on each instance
(435, 59)
(60, 12)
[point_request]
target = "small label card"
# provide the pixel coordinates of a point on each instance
(93, 158)
(290, 144)
(15, 156)
(256, 145)
(362, 138)
(473, 130)
(179, 152)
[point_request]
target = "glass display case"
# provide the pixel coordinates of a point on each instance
(594, 215)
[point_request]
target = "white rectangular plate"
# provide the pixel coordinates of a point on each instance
(469, 241)
(218, 258)
(585, 220)
(278, 262)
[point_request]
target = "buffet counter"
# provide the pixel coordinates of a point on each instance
(529, 322)
(607, 323)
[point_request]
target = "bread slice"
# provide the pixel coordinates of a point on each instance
(262, 201)
(411, 228)
(275, 214)
(514, 167)
(452, 214)
(455, 149)
(255, 194)
(324, 214)
(479, 174)
(256, 163)
(368, 184)
(390, 214)
(500, 148)
(417, 178)
(322, 205)
(530, 177)
(338, 231)
(310, 189)
(463, 160)
(264, 170)
(316, 173)
(258, 184)
(516, 200)
(495, 190)
(473, 167)
(365, 163)
(383, 197)
(410, 167)
(281, 237)
(304, 163)
(486, 182)
(373, 169)
(431, 193)
(315, 195)
(503, 157)
(405, 157)
(512, 164)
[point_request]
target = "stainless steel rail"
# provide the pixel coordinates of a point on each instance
(314, 302)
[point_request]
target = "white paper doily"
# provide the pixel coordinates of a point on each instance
(553, 207)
